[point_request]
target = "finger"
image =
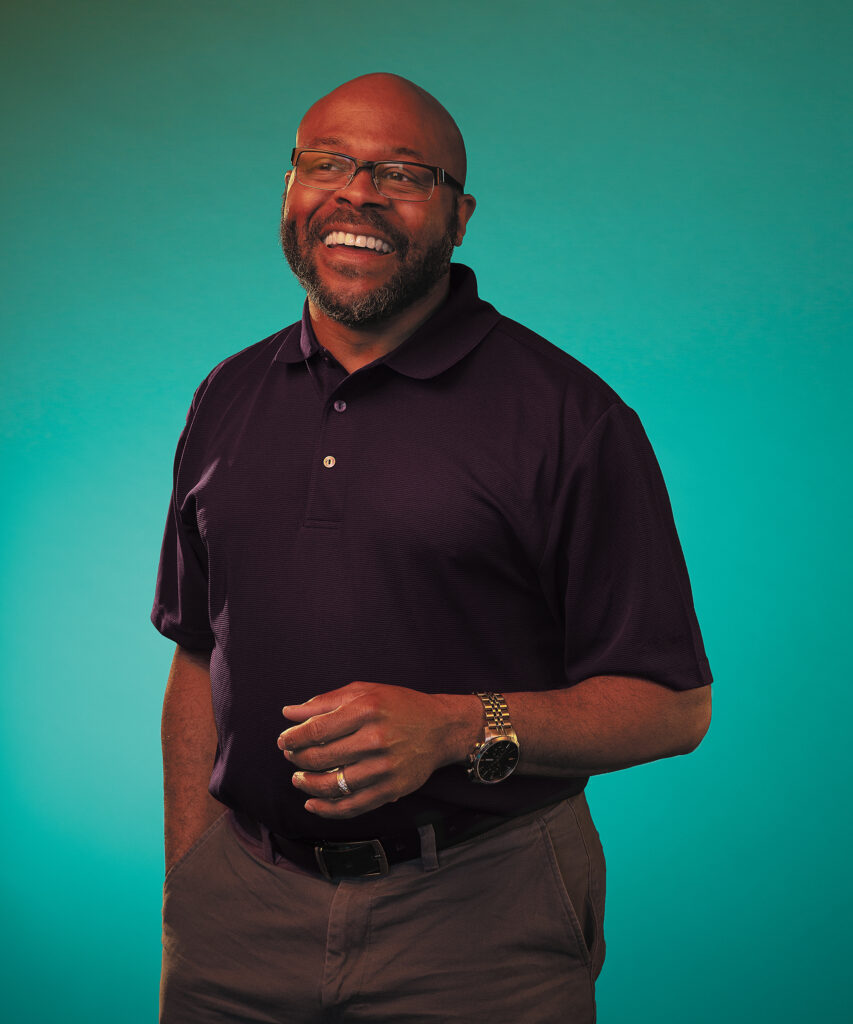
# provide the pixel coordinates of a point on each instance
(324, 785)
(349, 750)
(320, 704)
(323, 728)
(350, 806)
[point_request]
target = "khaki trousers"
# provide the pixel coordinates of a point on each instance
(504, 928)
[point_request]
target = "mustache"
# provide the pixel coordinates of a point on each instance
(316, 232)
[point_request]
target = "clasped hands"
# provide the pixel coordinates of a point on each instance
(388, 739)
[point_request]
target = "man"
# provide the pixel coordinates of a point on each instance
(424, 580)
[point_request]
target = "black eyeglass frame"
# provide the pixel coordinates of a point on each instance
(439, 175)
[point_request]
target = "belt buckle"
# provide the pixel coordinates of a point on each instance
(365, 859)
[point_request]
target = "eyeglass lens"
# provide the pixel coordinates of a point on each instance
(393, 180)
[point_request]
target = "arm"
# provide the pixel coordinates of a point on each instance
(605, 724)
(189, 745)
(393, 738)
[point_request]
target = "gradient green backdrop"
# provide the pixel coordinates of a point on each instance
(663, 191)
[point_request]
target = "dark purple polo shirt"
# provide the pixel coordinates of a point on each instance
(475, 510)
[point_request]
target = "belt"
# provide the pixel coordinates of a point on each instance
(366, 858)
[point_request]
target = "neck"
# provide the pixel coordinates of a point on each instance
(354, 347)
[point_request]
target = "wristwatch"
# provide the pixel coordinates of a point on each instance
(496, 755)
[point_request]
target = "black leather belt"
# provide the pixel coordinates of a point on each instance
(368, 858)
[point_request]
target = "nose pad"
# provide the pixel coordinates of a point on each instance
(370, 188)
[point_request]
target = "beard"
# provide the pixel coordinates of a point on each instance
(416, 274)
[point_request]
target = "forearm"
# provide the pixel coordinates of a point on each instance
(189, 745)
(389, 739)
(602, 724)
(606, 723)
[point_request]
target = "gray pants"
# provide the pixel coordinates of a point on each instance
(506, 928)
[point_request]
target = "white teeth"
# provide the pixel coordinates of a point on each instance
(358, 241)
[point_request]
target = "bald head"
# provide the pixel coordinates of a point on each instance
(404, 120)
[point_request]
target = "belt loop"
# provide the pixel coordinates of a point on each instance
(266, 843)
(429, 853)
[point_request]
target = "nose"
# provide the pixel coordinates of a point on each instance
(361, 190)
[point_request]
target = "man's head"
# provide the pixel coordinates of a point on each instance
(375, 117)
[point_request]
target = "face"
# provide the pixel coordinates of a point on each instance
(358, 285)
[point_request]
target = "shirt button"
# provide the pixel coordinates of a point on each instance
(340, 405)
(329, 461)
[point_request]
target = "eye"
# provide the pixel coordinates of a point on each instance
(397, 174)
(405, 177)
(323, 163)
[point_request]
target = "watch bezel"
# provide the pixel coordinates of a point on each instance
(490, 744)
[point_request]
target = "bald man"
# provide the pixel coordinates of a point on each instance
(423, 579)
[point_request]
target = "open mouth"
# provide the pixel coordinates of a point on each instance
(351, 241)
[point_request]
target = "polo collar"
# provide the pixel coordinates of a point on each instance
(454, 330)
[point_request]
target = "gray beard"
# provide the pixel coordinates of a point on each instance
(411, 282)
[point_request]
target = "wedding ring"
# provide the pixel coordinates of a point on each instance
(342, 782)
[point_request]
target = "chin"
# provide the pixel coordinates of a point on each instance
(410, 281)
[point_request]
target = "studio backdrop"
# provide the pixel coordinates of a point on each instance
(664, 192)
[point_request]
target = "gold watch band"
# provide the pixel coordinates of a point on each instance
(497, 713)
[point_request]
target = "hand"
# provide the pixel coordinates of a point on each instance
(389, 740)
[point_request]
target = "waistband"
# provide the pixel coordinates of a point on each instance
(366, 858)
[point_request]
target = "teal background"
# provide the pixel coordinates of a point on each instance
(664, 192)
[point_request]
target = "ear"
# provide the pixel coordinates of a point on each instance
(465, 206)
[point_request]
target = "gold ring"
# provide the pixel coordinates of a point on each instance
(342, 782)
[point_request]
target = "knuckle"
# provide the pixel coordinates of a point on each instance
(313, 731)
(376, 737)
(371, 705)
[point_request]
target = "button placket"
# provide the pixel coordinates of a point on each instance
(325, 504)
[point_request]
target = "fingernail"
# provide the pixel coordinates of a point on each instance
(298, 778)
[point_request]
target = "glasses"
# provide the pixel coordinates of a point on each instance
(393, 179)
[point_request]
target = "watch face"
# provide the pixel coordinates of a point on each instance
(497, 760)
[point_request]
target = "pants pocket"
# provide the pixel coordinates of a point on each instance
(576, 863)
(185, 858)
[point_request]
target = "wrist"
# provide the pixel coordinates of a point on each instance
(464, 720)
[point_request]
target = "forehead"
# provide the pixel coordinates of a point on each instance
(394, 127)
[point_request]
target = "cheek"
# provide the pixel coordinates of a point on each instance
(423, 231)
(303, 210)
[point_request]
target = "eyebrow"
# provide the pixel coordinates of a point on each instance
(333, 140)
(406, 151)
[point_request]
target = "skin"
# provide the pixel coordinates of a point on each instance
(189, 743)
(376, 117)
(391, 738)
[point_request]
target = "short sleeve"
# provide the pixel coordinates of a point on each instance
(180, 609)
(613, 567)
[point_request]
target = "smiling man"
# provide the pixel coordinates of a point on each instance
(374, 258)
(423, 577)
